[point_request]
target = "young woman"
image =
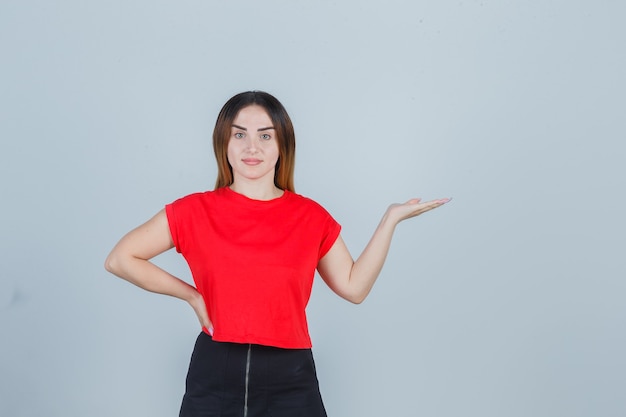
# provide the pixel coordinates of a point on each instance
(253, 246)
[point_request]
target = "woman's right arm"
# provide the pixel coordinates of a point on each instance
(130, 260)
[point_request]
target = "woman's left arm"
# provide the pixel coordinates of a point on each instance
(353, 280)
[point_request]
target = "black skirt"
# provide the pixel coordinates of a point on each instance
(247, 380)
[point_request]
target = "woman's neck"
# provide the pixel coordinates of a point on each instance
(255, 191)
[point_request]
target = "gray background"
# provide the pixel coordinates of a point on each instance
(509, 301)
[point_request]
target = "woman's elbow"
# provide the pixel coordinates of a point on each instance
(348, 293)
(354, 298)
(358, 300)
(111, 263)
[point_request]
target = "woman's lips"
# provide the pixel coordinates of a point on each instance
(251, 161)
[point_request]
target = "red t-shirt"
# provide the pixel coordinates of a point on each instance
(253, 261)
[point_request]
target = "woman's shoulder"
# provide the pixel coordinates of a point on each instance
(199, 197)
(307, 202)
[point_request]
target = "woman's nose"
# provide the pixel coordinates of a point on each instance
(251, 143)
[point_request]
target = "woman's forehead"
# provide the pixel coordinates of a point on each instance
(251, 116)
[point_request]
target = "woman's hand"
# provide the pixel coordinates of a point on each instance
(414, 207)
(199, 307)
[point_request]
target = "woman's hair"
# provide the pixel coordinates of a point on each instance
(285, 135)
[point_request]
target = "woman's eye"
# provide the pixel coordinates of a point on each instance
(266, 136)
(239, 135)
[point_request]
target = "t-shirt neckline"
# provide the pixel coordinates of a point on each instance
(233, 195)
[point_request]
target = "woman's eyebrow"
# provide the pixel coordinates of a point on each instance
(258, 130)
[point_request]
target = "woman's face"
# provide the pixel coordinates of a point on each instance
(253, 147)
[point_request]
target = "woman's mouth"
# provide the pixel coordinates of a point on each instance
(251, 161)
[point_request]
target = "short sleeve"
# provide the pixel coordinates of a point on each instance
(172, 220)
(331, 233)
(182, 217)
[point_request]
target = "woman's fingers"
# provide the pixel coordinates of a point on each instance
(414, 201)
(206, 324)
(414, 207)
(199, 307)
(433, 204)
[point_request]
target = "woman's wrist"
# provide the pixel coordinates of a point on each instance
(195, 297)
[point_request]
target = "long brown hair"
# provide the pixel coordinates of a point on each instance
(285, 135)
